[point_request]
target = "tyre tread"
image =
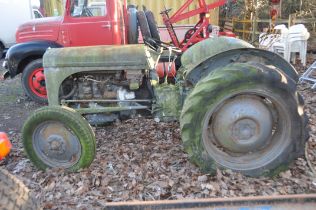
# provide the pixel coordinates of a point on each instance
(75, 120)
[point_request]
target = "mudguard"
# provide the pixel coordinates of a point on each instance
(199, 60)
(19, 55)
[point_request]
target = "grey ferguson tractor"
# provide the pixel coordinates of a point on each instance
(238, 106)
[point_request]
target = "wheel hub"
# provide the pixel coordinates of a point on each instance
(37, 82)
(56, 145)
(244, 129)
(243, 124)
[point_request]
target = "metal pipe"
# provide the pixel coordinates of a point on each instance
(109, 109)
(306, 202)
(102, 101)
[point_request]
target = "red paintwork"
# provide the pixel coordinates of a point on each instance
(111, 29)
(39, 29)
(37, 81)
(200, 28)
(164, 71)
(79, 31)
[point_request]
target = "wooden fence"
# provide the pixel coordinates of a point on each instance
(249, 30)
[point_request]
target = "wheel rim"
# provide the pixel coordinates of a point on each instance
(56, 145)
(37, 83)
(246, 130)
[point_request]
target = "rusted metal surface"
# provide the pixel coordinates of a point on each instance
(62, 63)
(289, 202)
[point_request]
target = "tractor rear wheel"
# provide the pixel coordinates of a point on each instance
(244, 118)
(33, 81)
(56, 137)
(14, 194)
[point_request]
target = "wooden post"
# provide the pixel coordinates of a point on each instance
(292, 19)
(254, 22)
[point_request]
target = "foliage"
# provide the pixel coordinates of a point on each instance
(303, 8)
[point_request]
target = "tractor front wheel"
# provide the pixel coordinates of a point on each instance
(56, 137)
(246, 118)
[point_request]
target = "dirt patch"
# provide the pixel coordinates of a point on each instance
(14, 105)
(140, 159)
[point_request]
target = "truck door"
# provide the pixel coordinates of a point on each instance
(87, 22)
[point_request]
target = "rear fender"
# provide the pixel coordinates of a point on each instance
(19, 55)
(210, 47)
(219, 52)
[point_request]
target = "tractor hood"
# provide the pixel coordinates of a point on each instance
(39, 29)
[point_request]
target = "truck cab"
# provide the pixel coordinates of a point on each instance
(84, 23)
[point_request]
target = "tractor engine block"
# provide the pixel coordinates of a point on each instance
(111, 88)
(110, 85)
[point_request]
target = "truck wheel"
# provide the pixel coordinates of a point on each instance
(14, 194)
(33, 81)
(152, 25)
(56, 137)
(244, 118)
(143, 24)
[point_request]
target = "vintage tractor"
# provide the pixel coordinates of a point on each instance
(13, 193)
(92, 23)
(238, 106)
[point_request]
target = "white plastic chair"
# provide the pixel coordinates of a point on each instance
(266, 40)
(292, 40)
(296, 43)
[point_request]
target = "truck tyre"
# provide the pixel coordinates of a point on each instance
(244, 118)
(152, 25)
(143, 24)
(58, 137)
(33, 81)
(14, 194)
(133, 25)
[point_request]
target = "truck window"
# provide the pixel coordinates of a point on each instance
(88, 8)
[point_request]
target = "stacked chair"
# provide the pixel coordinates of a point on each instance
(292, 41)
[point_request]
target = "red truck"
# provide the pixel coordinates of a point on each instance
(91, 22)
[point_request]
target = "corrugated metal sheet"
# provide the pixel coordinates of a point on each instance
(158, 5)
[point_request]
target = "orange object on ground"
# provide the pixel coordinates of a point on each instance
(5, 145)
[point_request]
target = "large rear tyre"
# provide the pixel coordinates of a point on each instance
(244, 118)
(14, 194)
(143, 24)
(152, 25)
(56, 137)
(33, 81)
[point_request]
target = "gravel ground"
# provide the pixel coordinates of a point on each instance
(140, 159)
